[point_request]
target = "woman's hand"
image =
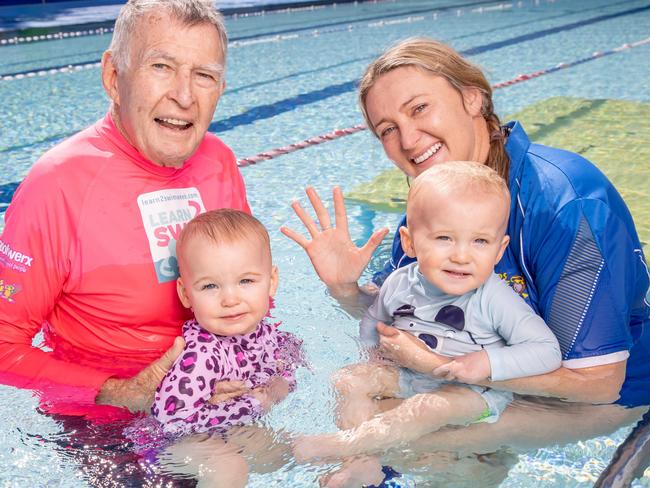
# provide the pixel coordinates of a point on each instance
(136, 393)
(407, 350)
(336, 259)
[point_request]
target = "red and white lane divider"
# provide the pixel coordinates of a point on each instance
(313, 141)
(337, 133)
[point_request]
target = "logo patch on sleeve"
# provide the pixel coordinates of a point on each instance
(516, 282)
(7, 290)
(13, 259)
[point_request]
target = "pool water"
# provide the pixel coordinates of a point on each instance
(291, 77)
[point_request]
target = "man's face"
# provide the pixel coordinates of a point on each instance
(164, 100)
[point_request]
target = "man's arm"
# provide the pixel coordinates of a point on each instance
(38, 242)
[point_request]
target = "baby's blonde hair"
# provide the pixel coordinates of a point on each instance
(456, 178)
(222, 226)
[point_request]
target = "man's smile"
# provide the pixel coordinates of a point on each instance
(176, 124)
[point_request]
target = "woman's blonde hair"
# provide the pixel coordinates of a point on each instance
(441, 60)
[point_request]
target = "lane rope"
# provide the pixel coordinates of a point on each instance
(378, 23)
(434, 15)
(338, 133)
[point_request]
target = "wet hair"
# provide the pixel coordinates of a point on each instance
(187, 12)
(223, 226)
(455, 178)
(441, 60)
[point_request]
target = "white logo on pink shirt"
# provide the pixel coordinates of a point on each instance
(13, 259)
(164, 214)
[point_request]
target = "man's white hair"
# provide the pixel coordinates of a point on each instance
(186, 12)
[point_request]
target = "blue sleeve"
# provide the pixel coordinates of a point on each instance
(585, 293)
(397, 258)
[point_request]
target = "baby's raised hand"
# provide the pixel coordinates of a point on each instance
(471, 368)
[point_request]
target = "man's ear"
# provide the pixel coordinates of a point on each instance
(407, 242)
(109, 77)
(473, 101)
(182, 293)
(275, 279)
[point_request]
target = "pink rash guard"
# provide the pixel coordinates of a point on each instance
(181, 403)
(88, 256)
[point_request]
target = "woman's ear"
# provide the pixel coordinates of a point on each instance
(407, 242)
(473, 101)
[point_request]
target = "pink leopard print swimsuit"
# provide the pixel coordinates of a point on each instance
(181, 402)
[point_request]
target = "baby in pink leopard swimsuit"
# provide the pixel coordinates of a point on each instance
(227, 279)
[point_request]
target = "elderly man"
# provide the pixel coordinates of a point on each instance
(87, 254)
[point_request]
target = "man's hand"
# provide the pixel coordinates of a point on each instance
(136, 393)
(471, 368)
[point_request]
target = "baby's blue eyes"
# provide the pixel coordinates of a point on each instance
(479, 241)
(213, 286)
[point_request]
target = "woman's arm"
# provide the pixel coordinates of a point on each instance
(336, 259)
(595, 384)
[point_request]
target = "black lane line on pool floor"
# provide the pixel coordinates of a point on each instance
(263, 112)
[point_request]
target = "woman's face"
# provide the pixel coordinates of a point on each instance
(421, 120)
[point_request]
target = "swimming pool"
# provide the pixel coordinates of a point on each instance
(291, 76)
